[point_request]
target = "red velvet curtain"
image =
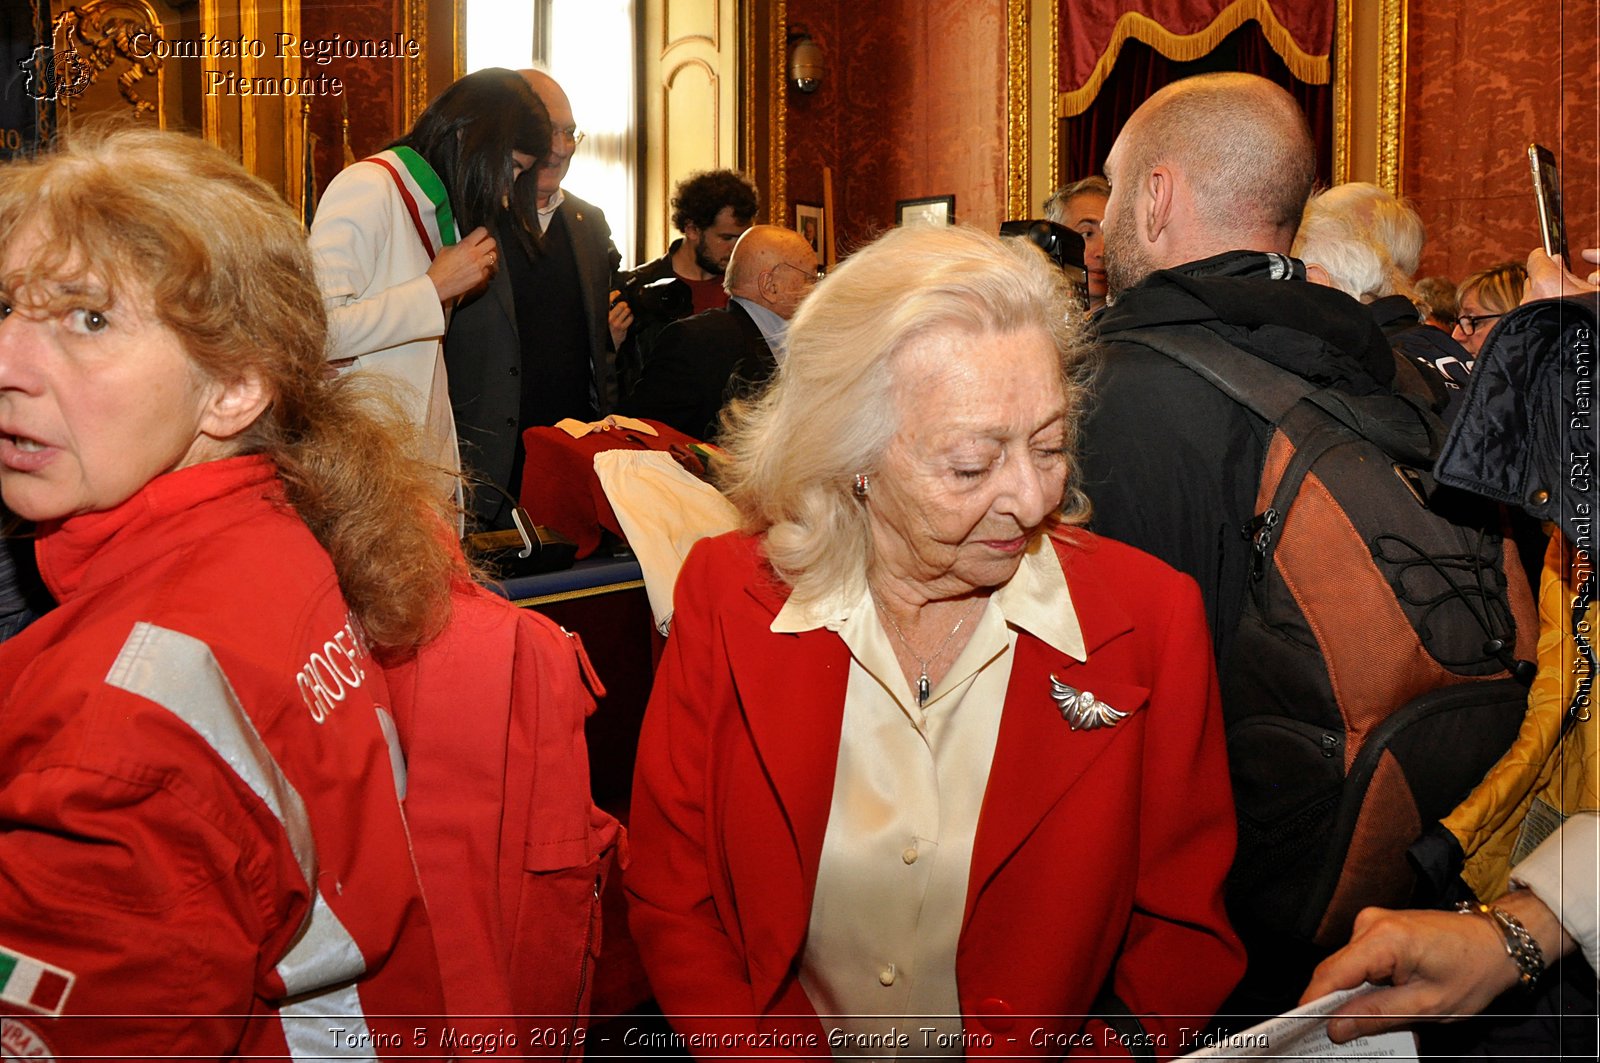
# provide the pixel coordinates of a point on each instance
(1140, 70)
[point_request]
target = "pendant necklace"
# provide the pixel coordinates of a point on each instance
(924, 688)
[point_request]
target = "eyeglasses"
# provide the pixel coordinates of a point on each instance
(572, 133)
(1468, 323)
(811, 278)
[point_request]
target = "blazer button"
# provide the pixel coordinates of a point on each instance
(511, 422)
(516, 370)
(995, 1014)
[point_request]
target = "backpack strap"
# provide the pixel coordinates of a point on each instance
(1400, 425)
(1258, 386)
(1409, 433)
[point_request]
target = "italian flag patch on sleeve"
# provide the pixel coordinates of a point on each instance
(33, 984)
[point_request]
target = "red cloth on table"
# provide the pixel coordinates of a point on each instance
(559, 487)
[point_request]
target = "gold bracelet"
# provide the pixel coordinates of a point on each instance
(1520, 946)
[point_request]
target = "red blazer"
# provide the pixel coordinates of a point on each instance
(1089, 842)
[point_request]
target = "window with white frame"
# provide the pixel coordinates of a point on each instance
(588, 46)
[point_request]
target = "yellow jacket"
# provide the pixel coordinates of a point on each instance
(1543, 777)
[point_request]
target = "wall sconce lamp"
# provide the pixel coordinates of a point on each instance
(806, 65)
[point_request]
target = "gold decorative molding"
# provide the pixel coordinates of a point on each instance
(747, 88)
(102, 33)
(778, 118)
(414, 77)
(1344, 40)
(1017, 104)
(297, 144)
(458, 42)
(1391, 93)
(250, 67)
(210, 108)
(1056, 176)
(1369, 92)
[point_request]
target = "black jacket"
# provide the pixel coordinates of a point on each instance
(1433, 349)
(1526, 432)
(698, 364)
(658, 297)
(1170, 463)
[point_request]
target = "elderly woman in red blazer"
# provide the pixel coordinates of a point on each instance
(928, 769)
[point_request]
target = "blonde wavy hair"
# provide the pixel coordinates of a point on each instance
(793, 451)
(1499, 288)
(226, 266)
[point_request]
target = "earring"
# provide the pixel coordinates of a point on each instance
(862, 485)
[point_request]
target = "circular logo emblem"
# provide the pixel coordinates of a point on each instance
(19, 1041)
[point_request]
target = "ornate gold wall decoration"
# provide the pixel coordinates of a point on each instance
(104, 33)
(1369, 92)
(414, 79)
(458, 42)
(1017, 104)
(1344, 39)
(778, 117)
(1055, 98)
(1391, 93)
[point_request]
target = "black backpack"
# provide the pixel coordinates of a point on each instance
(1380, 666)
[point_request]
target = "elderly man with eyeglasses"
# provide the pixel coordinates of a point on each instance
(540, 344)
(701, 362)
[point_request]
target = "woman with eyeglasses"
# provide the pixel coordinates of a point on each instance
(1484, 298)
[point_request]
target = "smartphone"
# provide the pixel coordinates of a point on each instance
(1547, 193)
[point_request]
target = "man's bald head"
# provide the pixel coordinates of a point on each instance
(1216, 162)
(553, 170)
(772, 266)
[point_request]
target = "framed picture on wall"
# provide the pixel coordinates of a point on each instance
(808, 223)
(932, 210)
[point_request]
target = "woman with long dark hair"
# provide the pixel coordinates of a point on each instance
(391, 257)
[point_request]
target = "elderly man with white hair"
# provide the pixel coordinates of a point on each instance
(1367, 242)
(702, 361)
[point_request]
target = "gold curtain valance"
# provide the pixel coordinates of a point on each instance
(1079, 23)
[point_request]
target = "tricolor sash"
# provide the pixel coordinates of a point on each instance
(424, 195)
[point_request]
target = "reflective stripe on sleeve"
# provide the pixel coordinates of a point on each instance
(179, 673)
(328, 1026)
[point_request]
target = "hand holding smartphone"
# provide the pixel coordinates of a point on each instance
(1547, 194)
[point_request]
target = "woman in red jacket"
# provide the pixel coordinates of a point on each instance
(927, 769)
(201, 846)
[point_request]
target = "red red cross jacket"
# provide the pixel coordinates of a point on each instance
(198, 794)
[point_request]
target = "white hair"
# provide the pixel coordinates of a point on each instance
(829, 413)
(1354, 264)
(1390, 222)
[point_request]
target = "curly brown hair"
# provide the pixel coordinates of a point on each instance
(701, 197)
(226, 266)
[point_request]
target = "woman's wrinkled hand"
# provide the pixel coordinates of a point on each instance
(465, 266)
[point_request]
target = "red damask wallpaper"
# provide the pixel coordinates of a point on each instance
(371, 87)
(913, 105)
(1483, 80)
